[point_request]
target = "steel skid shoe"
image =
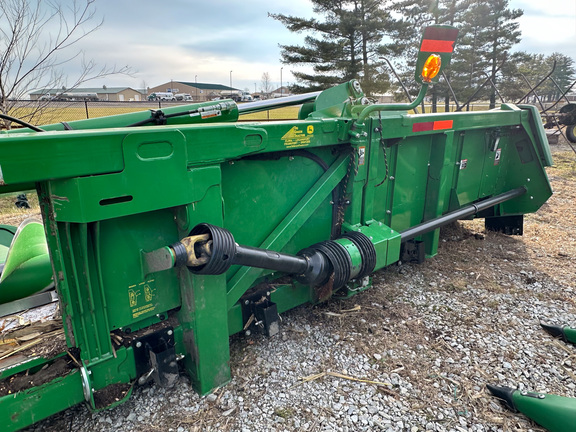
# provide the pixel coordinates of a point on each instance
(555, 413)
(567, 334)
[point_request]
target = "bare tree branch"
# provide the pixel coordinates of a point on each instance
(37, 39)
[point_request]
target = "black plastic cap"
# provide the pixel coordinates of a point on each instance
(504, 394)
(554, 331)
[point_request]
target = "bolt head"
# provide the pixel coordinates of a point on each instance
(138, 344)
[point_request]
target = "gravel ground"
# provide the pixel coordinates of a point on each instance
(413, 353)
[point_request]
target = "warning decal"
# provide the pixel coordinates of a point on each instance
(497, 157)
(140, 298)
(295, 137)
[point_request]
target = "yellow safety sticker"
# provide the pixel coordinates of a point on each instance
(296, 137)
(141, 292)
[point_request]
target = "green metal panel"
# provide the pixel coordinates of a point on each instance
(411, 177)
(386, 242)
(203, 313)
(284, 232)
(555, 413)
(274, 187)
(131, 295)
(29, 406)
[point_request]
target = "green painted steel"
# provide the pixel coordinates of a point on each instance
(27, 267)
(553, 412)
(110, 193)
(205, 112)
(570, 334)
(29, 406)
(6, 235)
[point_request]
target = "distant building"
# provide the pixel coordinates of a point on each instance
(115, 94)
(198, 91)
(280, 92)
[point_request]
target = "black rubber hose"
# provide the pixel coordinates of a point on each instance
(21, 122)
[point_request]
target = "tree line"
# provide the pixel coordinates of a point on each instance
(363, 39)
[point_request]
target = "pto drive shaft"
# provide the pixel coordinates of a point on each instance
(211, 250)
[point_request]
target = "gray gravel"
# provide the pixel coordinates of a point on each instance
(434, 337)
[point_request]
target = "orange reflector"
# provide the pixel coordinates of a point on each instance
(443, 124)
(433, 125)
(431, 67)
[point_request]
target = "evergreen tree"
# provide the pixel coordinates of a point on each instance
(501, 34)
(344, 45)
(520, 73)
(488, 30)
(564, 75)
(415, 16)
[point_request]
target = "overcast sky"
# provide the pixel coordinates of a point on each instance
(182, 40)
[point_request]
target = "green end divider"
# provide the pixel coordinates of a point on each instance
(27, 267)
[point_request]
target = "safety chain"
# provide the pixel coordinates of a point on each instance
(344, 202)
(379, 129)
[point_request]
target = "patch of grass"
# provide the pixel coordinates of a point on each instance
(286, 113)
(564, 165)
(12, 215)
(284, 412)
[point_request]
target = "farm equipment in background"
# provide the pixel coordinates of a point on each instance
(552, 117)
(168, 231)
(566, 116)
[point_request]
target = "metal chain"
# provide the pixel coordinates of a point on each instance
(383, 144)
(343, 202)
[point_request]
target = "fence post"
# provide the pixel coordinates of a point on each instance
(86, 106)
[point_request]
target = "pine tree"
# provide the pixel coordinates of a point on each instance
(344, 45)
(501, 34)
(416, 15)
(564, 75)
(519, 74)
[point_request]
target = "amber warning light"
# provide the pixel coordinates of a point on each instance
(431, 67)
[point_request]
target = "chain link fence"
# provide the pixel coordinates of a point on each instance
(47, 112)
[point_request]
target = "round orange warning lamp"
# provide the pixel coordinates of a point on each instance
(431, 67)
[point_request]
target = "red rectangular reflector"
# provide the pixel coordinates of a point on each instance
(437, 46)
(443, 124)
(435, 125)
(421, 127)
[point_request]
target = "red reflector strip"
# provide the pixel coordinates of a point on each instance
(442, 46)
(421, 127)
(443, 124)
(435, 125)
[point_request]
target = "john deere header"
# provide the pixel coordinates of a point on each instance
(170, 230)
